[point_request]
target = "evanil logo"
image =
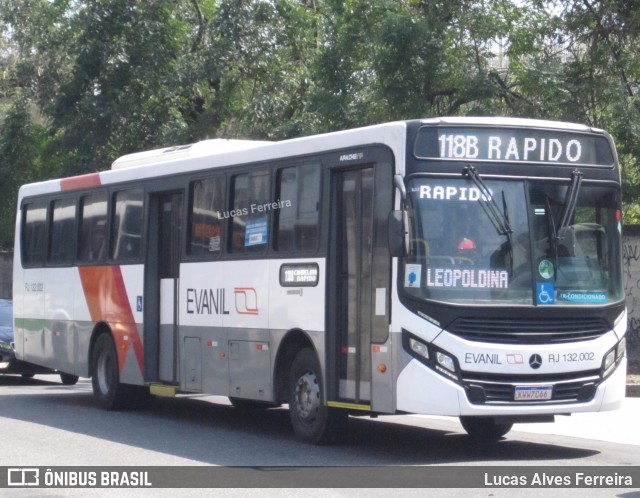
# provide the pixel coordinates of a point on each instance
(351, 157)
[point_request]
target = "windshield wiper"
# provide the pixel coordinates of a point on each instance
(556, 233)
(500, 220)
(570, 203)
(554, 240)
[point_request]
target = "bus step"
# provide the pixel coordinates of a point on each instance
(163, 390)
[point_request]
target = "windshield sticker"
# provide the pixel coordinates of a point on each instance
(412, 275)
(467, 278)
(545, 269)
(582, 297)
(545, 293)
(215, 244)
(256, 232)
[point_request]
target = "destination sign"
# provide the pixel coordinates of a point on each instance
(299, 275)
(514, 145)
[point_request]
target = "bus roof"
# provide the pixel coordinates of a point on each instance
(167, 154)
(511, 122)
(223, 152)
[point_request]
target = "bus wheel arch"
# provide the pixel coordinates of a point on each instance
(313, 421)
(294, 341)
(299, 381)
(104, 370)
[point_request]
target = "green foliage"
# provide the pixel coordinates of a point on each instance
(82, 83)
(22, 146)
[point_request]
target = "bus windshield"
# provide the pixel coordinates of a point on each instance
(521, 242)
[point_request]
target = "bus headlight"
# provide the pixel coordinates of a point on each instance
(435, 358)
(613, 357)
(446, 361)
(609, 359)
(621, 350)
(419, 348)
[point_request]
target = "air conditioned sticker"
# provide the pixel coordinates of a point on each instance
(412, 274)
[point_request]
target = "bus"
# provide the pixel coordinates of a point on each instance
(465, 267)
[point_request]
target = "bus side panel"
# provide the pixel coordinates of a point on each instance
(232, 294)
(234, 314)
(297, 294)
(247, 282)
(113, 295)
(32, 316)
(18, 292)
(84, 326)
(59, 347)
(203, 301)
(129, 310)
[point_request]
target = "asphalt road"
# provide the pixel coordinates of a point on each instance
(47, 424)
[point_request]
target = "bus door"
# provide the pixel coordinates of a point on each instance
(361, 304)
(161, 288)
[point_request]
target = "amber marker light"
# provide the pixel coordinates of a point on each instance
(382, 368)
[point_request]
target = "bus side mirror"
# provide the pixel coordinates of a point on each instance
(398, 233)
(399, 222)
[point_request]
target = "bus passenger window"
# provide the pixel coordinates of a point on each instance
(297, 209)
(207, 214)
(126, 231)
(62, 230)
(250, 212)
(93, 222)
(34, 233)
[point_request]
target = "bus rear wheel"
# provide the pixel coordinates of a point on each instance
(487, 428)
(312, 420)
(105, 379)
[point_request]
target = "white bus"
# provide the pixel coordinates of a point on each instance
(467, 267)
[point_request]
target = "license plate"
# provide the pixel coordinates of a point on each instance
(533, 393)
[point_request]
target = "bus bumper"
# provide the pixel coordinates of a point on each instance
(423, 391)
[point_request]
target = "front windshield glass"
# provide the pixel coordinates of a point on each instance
(476, 246)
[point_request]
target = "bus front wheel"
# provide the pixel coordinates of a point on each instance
(105, 379)
(68, 379)
(312, 420)
(487, 428)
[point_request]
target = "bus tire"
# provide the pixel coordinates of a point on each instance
(487, 428)
(68, 379)
(312, 420)
(250, 405)
(105, 379)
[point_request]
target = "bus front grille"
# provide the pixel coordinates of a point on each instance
(528, 331)
(486, 389)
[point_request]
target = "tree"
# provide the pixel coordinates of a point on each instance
(22, 143)
(85, 82)
(579, 61)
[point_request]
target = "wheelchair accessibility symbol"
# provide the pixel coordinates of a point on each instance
(545, 293)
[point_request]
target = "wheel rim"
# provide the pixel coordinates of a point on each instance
(104, 372)
(307, 397)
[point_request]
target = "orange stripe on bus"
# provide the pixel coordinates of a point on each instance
(81, 181)
(107, 300)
